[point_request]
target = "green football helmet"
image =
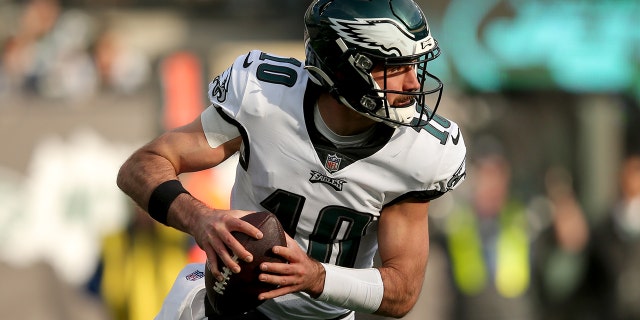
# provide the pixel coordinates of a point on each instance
(346, 39)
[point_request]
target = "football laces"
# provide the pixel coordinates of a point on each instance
(220, 286)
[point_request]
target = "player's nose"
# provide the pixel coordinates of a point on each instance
(411, 82)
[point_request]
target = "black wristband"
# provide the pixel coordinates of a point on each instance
(162, 197)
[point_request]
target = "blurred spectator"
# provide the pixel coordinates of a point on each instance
(19, 50)
(47, 54)
(618, 244)
(67, 70)
(120, 68)
(56, 53)
(488, 244)
(569, 281)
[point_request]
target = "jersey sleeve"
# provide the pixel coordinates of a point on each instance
(227, 90)
(452, 170)
(217, 128)
(452, 167)
(445, 172)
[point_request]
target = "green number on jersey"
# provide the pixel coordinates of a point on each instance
(441, 135)
(335, 225)
(276, 73)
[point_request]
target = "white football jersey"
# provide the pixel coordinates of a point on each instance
(329, 199)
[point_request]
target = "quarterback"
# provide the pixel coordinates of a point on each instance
(345, 148)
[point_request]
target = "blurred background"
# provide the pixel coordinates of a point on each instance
(547, 225)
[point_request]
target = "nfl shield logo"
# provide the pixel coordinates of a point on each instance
(333, 163)
(196, 275)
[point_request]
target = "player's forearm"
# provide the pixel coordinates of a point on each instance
(400, 292)
(141, 173)
(383, 291)
(355, 289)
(403, 238)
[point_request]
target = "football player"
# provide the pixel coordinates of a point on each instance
(345, 148)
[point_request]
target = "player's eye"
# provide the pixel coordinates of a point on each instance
(397, 69)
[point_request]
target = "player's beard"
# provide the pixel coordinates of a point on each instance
(403, 110)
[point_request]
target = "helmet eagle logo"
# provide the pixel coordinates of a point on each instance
(381, 34)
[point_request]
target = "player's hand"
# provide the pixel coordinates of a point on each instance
(212, 229)
(301, 273)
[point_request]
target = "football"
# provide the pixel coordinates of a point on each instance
(239, 291)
